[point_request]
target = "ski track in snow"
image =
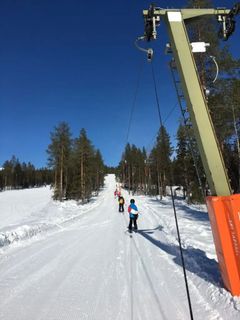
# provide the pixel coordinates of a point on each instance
(82, 264)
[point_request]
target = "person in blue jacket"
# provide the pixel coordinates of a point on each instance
(133, 215)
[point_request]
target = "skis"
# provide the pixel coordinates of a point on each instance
(130, 232)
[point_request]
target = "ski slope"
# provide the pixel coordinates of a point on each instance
(68, 261)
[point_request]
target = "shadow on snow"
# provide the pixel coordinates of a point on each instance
(196, 260)
(189, 213)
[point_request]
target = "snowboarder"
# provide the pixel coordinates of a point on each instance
(133, 215)
(121, 203)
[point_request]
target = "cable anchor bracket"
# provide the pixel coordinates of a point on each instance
(149, 51)
(228, 22)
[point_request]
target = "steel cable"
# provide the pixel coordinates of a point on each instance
(174, 209)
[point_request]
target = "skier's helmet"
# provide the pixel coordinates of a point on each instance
(132, 201)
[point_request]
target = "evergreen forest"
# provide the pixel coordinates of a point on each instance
(76, 169)
(181, 166)
(17, 175)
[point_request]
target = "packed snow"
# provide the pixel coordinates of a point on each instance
(72, 261)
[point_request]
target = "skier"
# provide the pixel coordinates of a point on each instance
(133, 215)
(121, 203)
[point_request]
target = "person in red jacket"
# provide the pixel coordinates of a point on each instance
(121, 203)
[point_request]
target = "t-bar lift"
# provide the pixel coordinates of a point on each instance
(223, 207)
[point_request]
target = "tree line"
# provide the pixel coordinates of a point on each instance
(166, 166)
(17, 175)
(75, 168)
(152, 173)
(78, 167)
(182, 166)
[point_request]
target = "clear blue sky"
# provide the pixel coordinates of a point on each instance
(75, 61)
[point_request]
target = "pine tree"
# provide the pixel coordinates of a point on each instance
(82, 165)
(17, 175)
(187, 167)
(131, 169)
(59, 153)
(127, 160)
(158, 166)
(181, 163)
(224, 99)
(1, 179)
(163, 161)
(98, 177)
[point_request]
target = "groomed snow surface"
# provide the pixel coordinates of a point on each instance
(69, 261)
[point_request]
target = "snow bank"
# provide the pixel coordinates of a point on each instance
(27, 213)
(20, 233)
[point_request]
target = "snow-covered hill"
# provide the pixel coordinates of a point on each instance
(68, 261)
(27, 213)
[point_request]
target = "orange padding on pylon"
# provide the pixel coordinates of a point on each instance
(224, 214)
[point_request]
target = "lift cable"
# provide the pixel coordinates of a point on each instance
(156, 95)
(149, 145)
(186, 126)
(161, 124)
(170, 113)
(181, 253)
(174, 209)
(134, 100)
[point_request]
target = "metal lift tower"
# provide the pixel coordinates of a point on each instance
(223, 207)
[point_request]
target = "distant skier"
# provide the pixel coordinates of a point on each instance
(121, 202)
(133, 215)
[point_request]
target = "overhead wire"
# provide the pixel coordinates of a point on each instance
(127, 138)
(156, 94)
(170, 113)
(174, 209)
(173, 201)
(150, 144)
(134, 99)
(181, 254)
(147, 275)
(190, 140)
(133, 240)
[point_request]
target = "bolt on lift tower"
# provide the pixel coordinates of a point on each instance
(223, 207)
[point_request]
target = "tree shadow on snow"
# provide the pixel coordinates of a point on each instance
(189, 213)
(193, 214)
(157, 202)
(196, 260)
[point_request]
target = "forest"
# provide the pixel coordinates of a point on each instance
(76, 169)
(181, 165)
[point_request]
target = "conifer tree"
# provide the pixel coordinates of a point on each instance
(224, 99)
(98, 177)
(131, 169)
(17, 175)
(83, 167)
(59, 153)
(181, 163)
(7, 174)
(188, 171)
(163, 152)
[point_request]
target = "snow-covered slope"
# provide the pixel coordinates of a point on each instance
(27, 213)
(85, 265)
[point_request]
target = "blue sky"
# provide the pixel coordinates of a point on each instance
(75, 61)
